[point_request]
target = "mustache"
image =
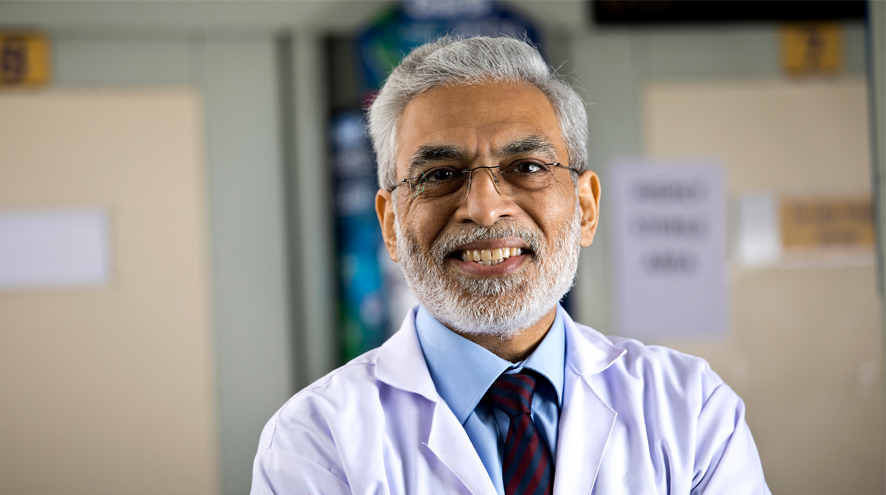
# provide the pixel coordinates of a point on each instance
(450, 240)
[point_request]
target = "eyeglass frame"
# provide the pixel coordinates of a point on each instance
(470, 172)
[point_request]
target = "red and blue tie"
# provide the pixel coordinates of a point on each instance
(527, 467)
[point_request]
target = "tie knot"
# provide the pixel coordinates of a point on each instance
(512, 393)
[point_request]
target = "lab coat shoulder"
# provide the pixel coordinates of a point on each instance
(629, 373)
(685, 381)
(363, 428)
(678, 426)
(300, 450)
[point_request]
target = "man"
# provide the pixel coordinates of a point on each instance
(489, 386)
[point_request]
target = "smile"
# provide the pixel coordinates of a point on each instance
(489, 257)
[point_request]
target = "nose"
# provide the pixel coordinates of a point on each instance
(487, 198)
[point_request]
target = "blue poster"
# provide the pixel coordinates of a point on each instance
(412, 23)
(373, 296)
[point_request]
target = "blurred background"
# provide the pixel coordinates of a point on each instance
(188, 237)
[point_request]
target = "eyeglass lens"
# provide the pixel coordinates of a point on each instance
(441, 182)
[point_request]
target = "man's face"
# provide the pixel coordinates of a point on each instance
(527, 241)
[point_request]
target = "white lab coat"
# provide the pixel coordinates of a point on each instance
(635, 420)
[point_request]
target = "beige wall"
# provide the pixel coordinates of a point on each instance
(805, 349)
(111, 390)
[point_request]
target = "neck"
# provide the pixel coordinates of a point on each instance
(518, 347)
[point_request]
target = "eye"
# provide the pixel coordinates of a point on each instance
(527, 167)
(440, 174)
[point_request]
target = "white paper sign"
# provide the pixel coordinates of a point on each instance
(669, 230)
(54, 248)
(758, 242)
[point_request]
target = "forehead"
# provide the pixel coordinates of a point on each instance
(477, 118)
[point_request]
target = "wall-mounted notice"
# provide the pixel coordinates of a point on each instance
(668, 221)
(811, 48)
(827, 222)
(758, 241)
(57, 248)
(24, 59)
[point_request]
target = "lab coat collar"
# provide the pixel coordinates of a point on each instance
(588, 352)
(401, 363)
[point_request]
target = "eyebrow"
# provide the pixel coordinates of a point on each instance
(532, 144)
(429, 154)
(425, 155)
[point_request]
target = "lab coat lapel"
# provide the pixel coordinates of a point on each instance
(585, 425)
(401, 364)
(585, 420)
(448, 440)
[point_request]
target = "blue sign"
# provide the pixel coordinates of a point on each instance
(372, 292)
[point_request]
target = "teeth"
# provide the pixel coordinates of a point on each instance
(487, 257)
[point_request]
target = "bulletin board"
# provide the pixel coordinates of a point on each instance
(110, 380)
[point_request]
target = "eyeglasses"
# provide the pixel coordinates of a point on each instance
(519, 176)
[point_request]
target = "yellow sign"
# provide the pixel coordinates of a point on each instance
(846, 221)
(24, 60)
(811, 48)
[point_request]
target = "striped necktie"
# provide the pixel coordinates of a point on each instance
(527, 467)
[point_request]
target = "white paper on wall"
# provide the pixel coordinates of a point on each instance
(668, 221)
(758, 241)
(54, 248)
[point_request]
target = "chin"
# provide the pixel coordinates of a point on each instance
(501, 306)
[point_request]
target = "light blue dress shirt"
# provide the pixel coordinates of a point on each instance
(463, 371)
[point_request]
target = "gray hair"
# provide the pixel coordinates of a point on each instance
(450, 61)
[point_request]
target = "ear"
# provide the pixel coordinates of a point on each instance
(384, 208)
(589, 203)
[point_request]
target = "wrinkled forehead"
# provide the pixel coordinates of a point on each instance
(479, 120)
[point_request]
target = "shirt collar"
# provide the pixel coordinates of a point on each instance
(549, 358)
(463, 371)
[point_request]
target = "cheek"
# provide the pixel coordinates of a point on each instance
(423, 221)
(553, 212)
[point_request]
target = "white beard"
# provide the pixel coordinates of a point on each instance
(503, 305)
